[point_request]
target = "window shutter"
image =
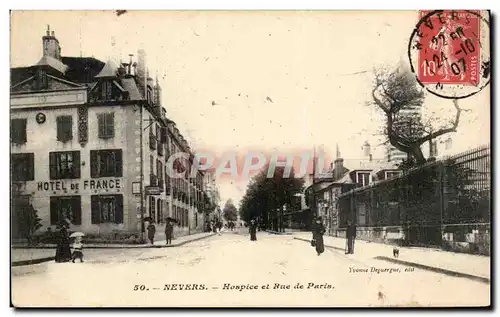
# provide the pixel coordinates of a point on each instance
(77, 210)
(76, 164)
(118, 163)
(53, 211)
(53, 165)
(93, 164)
(24, 138)
(69, 128)
(110, 125)
(31, 166)
(119, 209)
(95, 211)
(101, 123)
(60, 129)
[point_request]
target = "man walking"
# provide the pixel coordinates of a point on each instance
(169, 230)
(351, 236)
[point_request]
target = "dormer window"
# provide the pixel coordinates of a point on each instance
(363, 178)
(106, 90)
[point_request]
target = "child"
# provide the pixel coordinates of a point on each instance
(77, 250)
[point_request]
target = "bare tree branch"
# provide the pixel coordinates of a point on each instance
(443, 131)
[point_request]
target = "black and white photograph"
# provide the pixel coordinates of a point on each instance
(206, 158)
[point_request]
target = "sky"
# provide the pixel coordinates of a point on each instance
(275, 80)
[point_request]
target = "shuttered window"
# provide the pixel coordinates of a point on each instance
(22, 166)
(64, 128)
(107, 209)
(64, 165)
(106, 163)
(18, 131)
(65, 208)
(106, 123)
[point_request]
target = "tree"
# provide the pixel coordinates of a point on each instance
(25, 220)
(265, 197)
(230, 213)
(399, 97)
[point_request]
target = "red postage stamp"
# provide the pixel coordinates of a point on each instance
(447, 52)
(451, 51)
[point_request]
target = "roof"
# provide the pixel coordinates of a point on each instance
(130, 85)
(108, 71)
(82, 69)
(78, 69)
(54, 63)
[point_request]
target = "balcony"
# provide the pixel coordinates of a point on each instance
(152, 141)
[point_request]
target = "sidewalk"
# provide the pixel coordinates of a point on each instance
(457, 264)
(27, 256)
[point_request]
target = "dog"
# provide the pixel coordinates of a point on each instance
(395, 252)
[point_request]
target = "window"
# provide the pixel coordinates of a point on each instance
(106, 90)
(159, 218)
(107, 208)
(159, 170)
(106, 125)
(363, 179)
(152, 207)
(151, 164)
(18, 131)
(65, 207)
(22, 166)
(389, 175)
(106, 163)
(64, 165)
(64, 128)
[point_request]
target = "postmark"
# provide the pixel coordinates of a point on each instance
(449, 52)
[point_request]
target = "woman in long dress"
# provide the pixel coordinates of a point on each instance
(318, 231)
(63, 251)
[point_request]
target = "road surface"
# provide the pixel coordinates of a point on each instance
(230, 270)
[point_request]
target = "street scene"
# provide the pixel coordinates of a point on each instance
(222, 264)
(250, 159)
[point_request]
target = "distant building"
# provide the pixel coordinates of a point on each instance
(348, 174)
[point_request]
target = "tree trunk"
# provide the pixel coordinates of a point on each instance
(417, 154)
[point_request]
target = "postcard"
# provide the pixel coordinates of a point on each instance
(250, 158)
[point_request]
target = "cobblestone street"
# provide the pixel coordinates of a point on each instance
(230, 270)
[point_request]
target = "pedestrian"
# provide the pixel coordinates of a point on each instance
(220, 227)
(318, 231)
(253, 230)
(351, 236)
(169, 230)
(77, 250)
(214, 227)
(63, 251)
(151, 232)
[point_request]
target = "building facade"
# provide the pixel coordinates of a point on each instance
(90, 145)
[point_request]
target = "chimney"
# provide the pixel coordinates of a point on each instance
(339, 168)
(141, 70)
(51, 46)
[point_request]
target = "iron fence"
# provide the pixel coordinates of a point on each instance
(445, 201)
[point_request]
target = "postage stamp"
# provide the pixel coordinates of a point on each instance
(449, 52)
